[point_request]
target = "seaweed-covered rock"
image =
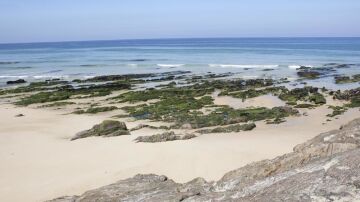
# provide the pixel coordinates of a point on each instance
(309, 74)
(164, 137)
(276, 121)
(141, 126)
(65, 92)
(95, 110)
(347, 79)
(19, 81)
(229, 129)
(304, 105)
(307, 94)
(107, 128)
(252, 93)
(184, 112)
(337, 110)
(352, 95)
(338, 66)
(47, 83)
(347, 94)
(57, 104)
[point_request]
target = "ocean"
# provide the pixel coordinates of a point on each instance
(247, 57)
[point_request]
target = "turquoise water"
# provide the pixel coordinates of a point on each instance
(246, 56)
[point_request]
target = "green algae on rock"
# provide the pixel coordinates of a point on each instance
(66, 92)
(141, 126)
(307, 94)
(305, 105)
(164, 137)
(185, 111)
(107, 128)
(95, 110)
(337, 110)
(57, 104)
(352, 95)
(308, 74)
(229, 129)
(252, 93)
(347, 79)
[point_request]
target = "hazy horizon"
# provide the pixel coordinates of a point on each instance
(188, 38)
(89, 20)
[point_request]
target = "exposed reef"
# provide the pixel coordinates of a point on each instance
(68, 91)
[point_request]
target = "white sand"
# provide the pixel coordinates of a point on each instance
(38, 162)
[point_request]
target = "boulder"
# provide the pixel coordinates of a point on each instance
(107, 128)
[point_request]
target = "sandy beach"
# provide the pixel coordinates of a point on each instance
(39, 161)
(179, 101)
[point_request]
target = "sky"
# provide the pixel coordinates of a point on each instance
(79, 20)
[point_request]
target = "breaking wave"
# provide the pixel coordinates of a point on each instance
(170, 65)
(243, 66)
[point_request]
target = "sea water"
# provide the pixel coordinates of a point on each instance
(248, 57)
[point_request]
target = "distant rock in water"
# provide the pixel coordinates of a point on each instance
(19, 81)
(308, 74)
(267, 69)
(8, 63)
(325, 168)
(107, 128)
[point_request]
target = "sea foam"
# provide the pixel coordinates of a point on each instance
(170, 65)
(243, 66)
(132, 65)
(298, 66)
(11, 76)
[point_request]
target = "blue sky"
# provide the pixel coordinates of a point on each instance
(71, 20)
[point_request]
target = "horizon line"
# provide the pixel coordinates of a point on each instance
(172, 38)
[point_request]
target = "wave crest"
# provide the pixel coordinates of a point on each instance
(243, 66)
(170, 65)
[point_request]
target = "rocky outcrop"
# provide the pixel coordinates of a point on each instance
(107, 128)
(19, 81)
(164, 137)
(308, 74)
(325, 168)
(229, 129)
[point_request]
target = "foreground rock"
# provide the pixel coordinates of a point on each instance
(107, 128)
(326, 168)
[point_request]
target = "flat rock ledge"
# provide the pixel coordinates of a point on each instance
(107, 128)
(164, 137)
(325, 168)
